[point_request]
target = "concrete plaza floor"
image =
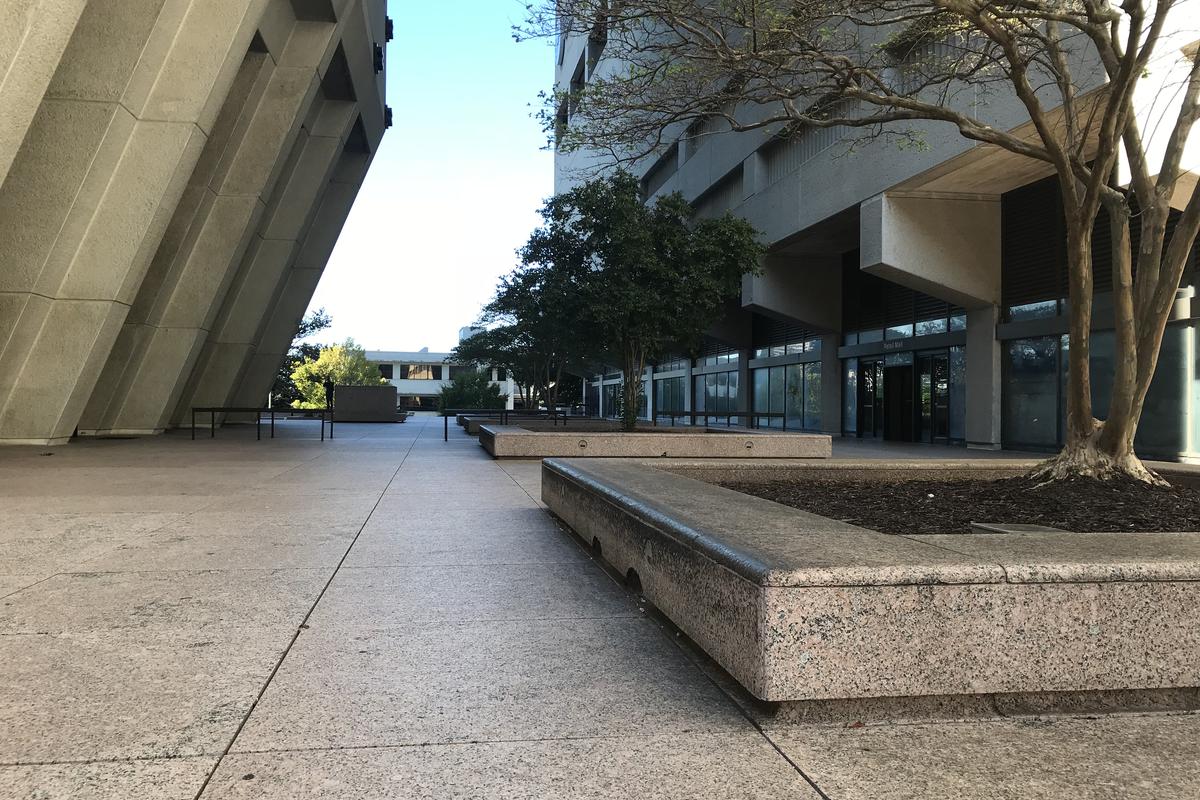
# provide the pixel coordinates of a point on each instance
(387, 615)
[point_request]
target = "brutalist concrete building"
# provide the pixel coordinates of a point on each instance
(909, 294)
(173, 177)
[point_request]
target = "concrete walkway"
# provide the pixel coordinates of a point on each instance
(390, 616)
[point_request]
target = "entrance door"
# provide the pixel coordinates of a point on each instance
(898, 403)
(870, 398)
(933, 397)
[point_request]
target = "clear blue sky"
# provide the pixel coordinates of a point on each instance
(456, 184)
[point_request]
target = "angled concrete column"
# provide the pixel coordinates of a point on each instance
(33, 37)
(947, 246)
(301, 280)
(983, 379)
(89, 192)
(210, 231)
(261, 276)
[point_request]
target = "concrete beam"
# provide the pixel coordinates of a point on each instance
(90, 191)
(947, 246)
(983, 379)
(211, 230)
(804, 288)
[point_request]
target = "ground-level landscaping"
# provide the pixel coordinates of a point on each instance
(951, 503)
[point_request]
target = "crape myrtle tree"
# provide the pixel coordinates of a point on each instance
(653, 277)
(1080, 68)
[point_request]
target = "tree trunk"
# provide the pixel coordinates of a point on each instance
(1095, 449)
(631, 388)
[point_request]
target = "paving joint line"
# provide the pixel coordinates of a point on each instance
(304, 622)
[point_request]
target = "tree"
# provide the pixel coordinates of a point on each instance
(1080, 69)
(656, 278)
(345, 364)
(471, 389)
(284, 391)
(538, 322)
(503, 346)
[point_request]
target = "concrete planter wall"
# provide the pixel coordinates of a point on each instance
(801, 608)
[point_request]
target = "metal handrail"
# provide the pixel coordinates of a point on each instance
(258, 412)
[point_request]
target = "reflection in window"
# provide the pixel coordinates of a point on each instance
(850, 396)
(1031, 392)
(899, 331)
(958, 393)
(1039, 310)
(928, 327)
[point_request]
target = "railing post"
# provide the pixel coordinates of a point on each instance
(446, 426)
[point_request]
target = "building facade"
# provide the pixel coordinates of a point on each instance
(908, 294)
(420, 376)
(173, 177)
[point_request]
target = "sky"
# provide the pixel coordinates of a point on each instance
(456, 184)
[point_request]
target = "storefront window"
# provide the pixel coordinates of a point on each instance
(899, 332)
(794, 401)
(812, 396)
(850, 396)
(958, 393)
(1031, 392)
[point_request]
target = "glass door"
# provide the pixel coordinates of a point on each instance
(870, 398)
(933, 398)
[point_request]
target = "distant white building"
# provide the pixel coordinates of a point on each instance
(419, 376)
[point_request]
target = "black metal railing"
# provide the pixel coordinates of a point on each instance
(258, 412)
(753, 419)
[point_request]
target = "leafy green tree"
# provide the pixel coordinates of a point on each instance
(505, 346)
(471, 389)
(654, 277)
(284, 391)
(345, 364)
(537, 324)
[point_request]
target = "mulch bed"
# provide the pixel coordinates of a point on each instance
(950, 506)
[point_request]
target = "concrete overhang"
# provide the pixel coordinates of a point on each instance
(946, 246)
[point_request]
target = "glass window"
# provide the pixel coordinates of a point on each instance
(435, 372)
(723, 391)
(710, 393)
(778, 383)
(762, 382)
(1040, 310)
(867, 337)
(794, 399)
(733, 357)
(385, 371)
(733, 392)
(898, 359)
(778, 350)
(850, 395)
(850, 338)
(927, 327)
(958, 393)
(813, 345)
(699, 393)
(812, 396)
(904, 331)
(958, 322)
(1031, 392)
(795, 347)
